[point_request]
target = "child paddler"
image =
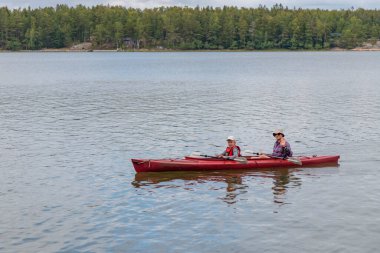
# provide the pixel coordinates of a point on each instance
(232, 151)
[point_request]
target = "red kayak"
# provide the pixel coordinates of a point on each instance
(207, 164)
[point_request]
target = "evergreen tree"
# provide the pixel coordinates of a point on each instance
(187, 28)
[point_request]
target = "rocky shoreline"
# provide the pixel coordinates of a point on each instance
(88, 47)
(368, 47)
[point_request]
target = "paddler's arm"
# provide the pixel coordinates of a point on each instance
(222, 154)
(287, 151)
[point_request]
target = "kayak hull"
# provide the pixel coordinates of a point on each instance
(209, 164)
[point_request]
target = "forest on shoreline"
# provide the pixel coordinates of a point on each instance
(185, 28)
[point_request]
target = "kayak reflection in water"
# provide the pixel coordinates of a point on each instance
(281, 147)
(232, 151)
(235, 187)
(237, 183)
(282, 180)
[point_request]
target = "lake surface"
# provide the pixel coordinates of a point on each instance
(71, 122)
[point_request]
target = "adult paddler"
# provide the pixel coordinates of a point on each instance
(281, 147)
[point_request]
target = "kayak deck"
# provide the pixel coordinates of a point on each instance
(207, 164)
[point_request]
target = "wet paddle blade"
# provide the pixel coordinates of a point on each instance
(241, 160)
(294, 160)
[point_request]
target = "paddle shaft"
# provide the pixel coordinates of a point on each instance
(290, 159)
(236, 159)
(279, 157)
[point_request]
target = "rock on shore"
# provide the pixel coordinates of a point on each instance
(368, 47)
(85, 46)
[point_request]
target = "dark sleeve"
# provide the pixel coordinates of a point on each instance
(289, 149)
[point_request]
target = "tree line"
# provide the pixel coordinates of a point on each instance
(185, 28)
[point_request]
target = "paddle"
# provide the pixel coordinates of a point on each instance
(290, 159)
(237, 159)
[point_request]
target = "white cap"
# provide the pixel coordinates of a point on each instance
(279, 131)
(231, 138)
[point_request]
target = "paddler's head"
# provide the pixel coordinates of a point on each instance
(278, 134)
(231, 141)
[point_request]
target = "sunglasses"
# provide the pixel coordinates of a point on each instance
(276, 134)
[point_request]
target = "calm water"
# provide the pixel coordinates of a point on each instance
(69, 124)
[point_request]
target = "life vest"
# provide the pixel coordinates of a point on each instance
(230, 151)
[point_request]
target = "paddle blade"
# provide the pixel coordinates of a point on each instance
(250, 152)
(196, 154)
(241, 160)
(294, 160)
